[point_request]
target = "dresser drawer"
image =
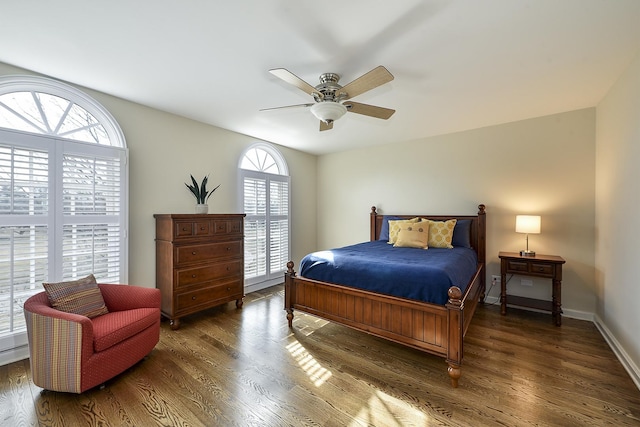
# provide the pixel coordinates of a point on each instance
(219, 270)
(207, 296)
(228, 226)
(184, 229)
(201, 228)
(198, 253)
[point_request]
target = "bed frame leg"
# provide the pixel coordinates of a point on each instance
(289, 292)
(455, 315)
(290, 317)
(454, 373)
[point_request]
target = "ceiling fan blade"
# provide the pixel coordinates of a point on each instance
(292, 79)
(287, 106)
(325, 126)
(369, 110)
(374, 78)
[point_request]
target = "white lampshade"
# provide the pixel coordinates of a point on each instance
(529, 224)
(328, 111)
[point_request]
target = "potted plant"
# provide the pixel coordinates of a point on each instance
(201, 194)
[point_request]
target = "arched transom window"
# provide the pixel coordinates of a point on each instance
(263, 158)
(47, 107)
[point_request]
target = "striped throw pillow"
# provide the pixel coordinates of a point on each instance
(80, 296)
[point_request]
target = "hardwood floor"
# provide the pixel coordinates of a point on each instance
(227, 367)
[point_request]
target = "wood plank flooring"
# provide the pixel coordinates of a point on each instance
(228, 367)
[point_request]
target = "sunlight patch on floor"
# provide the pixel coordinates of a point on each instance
(385, 410)
(314, 370)
(315, 323)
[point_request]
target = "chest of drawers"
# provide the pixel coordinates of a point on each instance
(199, 262)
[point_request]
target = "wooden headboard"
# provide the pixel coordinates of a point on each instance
(478, 227)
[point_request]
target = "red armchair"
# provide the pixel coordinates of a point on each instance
(73, 353)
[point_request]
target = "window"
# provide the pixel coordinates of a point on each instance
(63, 187)
(265, 194)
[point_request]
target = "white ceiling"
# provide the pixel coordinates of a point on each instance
(458, 64)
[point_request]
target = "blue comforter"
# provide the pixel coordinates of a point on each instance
(419, 274)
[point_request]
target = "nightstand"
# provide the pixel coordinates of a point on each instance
(549, 266)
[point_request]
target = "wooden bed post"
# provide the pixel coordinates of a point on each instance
(372, 224)
(482, 248)
(456, 334)
(289, 291)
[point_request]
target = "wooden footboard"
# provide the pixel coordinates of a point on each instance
(432, 328)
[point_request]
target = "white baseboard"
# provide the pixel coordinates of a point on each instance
(262, 285)
(572, 314)
(628, 364)
(14, 354)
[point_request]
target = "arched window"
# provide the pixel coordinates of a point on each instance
(63, 194)
(264, 183)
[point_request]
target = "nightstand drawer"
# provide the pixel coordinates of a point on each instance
(515, 266)
(542, 269)
(530, 268)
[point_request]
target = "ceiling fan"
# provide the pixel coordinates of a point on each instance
(332, 100)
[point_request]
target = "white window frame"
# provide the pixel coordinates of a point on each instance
(13, 345)
(275, 277)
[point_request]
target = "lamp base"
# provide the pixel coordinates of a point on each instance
(527, 253)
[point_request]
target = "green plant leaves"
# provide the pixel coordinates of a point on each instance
(200, 191)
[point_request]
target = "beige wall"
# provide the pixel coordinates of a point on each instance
(618, 203)
(164, 149)
(542, 166)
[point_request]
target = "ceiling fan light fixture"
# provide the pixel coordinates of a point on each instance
(328, 111)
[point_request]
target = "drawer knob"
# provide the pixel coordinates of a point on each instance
(193, 253)
(228, 289)
(193, 276)
(184, 228)
(193, 298)
(227, 268)
(228, 248)
(540, 268)
(201, 228)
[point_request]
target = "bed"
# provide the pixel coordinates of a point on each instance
(432, 327)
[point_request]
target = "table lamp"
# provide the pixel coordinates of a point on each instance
(528, 224)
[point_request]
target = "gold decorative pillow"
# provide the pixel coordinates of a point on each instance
(80, 296)
(394, 227)
(441, 233)
(413, 235)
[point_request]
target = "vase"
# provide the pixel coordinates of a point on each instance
(202, 208)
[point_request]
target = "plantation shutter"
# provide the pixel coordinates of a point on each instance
(278, 225)
(24, 237)
(255, 227)
(92, 229)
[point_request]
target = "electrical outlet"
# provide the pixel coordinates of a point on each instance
(526, 282)
(495, 280)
